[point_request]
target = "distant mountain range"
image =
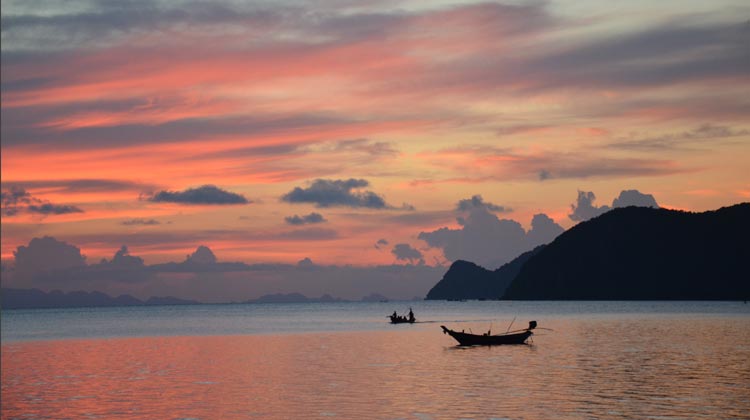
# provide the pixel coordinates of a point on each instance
(632, 253)
(293, 298)
(35, 298)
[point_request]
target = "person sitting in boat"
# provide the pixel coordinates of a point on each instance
(411, 316)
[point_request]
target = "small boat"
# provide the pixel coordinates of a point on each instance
(402, 319)
(487, 339)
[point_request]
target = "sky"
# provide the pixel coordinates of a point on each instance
(372, 136)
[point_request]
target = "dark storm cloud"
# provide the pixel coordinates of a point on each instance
(585, 209)
(206, 194)
(477, 202)
(339, 192)
(405, 252)
(306, 219)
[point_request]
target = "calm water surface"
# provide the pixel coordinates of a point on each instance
(603, 360)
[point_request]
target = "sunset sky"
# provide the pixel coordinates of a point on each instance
(347, 132)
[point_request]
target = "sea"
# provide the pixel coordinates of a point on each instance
(586, 360)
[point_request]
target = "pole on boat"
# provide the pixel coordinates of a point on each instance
(511, 324)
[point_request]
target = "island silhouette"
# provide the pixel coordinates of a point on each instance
(631, 253)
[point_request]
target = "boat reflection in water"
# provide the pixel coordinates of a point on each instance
(487, 339)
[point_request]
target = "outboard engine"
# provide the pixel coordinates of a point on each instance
(532, 325)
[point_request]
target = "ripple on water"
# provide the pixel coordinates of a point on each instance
(673, 367)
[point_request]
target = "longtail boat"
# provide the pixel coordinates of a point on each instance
(401, 320)
(487, 339)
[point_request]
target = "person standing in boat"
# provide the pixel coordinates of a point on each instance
(411, 315)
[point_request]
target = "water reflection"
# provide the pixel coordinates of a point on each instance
(605, 368)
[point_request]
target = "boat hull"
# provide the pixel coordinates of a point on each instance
(402, 321)
(466, 339)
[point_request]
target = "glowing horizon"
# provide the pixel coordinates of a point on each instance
(105, 107)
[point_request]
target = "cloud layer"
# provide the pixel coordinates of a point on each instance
(336, 192)
(585, 209)
(206, 194)
(47, 254)
(478, 202)
(405, 252)
(17, 200)
(487, 240)
(355, 109)
(142, 222)
(48, 264)
(311, 218)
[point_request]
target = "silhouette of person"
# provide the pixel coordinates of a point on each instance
(411, 315)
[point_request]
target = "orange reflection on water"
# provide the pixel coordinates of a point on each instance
(585, 369)
(203, 377)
